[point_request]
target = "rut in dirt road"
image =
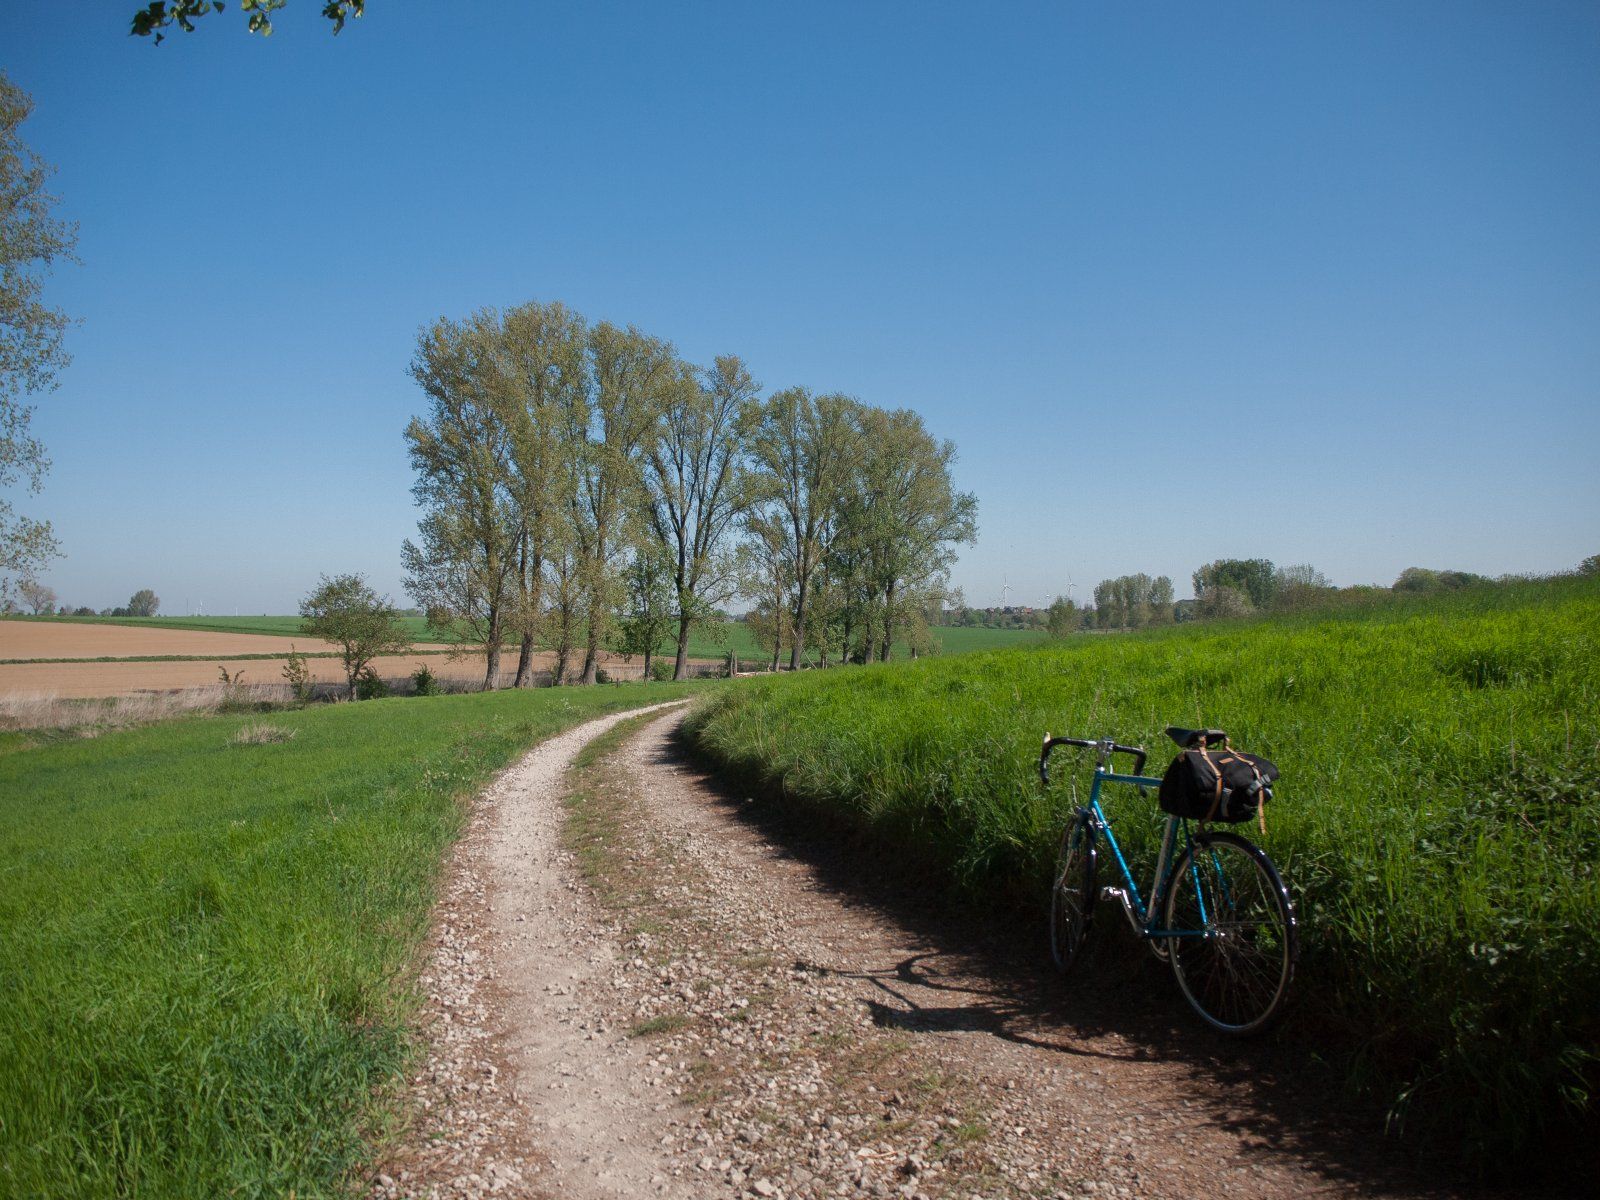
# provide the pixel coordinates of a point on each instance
(682, 998)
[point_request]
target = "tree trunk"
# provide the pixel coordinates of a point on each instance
(777, 647)
(591, 655)
(799, 632)
(491, 672)
(525, 663)
(681, 663)
(888, 625)
(563, 654)
(648, 655)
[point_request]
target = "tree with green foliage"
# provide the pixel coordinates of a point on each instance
(910, 521)
(632, 379)
(32, 350)
(158, 16)
(364, 625)
(144, 603)
(800, 447)
(1590, 565)
(539, 377)
(1423, 579)
(1133, 601)
(1062, 617)
(652, 606)
(1256, 578)
(461, 568)
(696, 489)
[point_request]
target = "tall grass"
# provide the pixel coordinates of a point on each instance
(206, 934)
(1439, 815)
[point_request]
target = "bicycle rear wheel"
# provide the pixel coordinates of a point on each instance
(1072, 894)
(1237, 974)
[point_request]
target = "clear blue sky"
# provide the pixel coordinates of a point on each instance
(1319, 283)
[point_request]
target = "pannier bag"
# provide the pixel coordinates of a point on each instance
(1216, 785)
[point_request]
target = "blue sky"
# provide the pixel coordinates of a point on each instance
(1319, 283)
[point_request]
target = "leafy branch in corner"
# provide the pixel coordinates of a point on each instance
(160, 15)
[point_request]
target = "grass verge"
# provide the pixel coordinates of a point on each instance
(209, 934)
(1439, 816)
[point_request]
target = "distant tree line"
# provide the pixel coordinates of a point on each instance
(42, 601)
(583, 488)
(1240, 587)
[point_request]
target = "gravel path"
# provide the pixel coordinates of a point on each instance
(695, 1002)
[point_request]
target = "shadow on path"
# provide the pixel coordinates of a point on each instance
(989, 973)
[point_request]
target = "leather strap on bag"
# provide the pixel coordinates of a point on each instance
(1216, 800)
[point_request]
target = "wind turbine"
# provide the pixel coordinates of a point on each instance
(1005, 589)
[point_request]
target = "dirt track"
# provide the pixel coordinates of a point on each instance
(804, 1026)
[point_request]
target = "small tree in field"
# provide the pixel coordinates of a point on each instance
(37, 597)
(364, 624)
(144, 603)
(1062, 617)
(651, 614)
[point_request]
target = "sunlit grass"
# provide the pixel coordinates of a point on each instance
(207, 929)
(1439, 816)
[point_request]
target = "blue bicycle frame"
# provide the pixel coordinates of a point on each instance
(1144, 920)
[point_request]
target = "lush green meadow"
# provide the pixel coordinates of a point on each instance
(1439, 814)
(703, 643)
(204, 967)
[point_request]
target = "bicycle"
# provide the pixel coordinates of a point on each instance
(1226, 924)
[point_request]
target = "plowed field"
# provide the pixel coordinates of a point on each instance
(79, 680)
(44, 639)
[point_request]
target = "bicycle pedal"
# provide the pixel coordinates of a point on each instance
(1112, 893)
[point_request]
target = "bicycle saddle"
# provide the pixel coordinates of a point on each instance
(1191, 738)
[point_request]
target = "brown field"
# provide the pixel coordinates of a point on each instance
(47, 639)
(85, 680)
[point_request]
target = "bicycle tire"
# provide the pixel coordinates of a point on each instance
(1072, 893)
(1237, 976)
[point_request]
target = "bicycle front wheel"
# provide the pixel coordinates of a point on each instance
(1072, 894)
(1235, 966)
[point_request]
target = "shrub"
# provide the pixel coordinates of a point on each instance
(369, 686)
(297, 674)
(661, 670)
(425, 681)
(601, 675)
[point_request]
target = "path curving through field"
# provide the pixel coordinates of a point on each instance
(702, 1000)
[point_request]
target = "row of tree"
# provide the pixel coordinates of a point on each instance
(1239, 587)
(583, 487)
(41, 600)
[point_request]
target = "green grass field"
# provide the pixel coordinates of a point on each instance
(206, 951)
(702, 644)
(1439, 815)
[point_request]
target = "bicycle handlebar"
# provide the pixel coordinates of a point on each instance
(1110, 746)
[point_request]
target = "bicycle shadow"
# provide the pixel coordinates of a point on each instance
(988, 973)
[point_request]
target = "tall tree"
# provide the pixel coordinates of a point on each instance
(32, 352)
(696, 488)
(463, 570)
(540, 378)
(799, 447)
(913, 518)
(632, 376)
